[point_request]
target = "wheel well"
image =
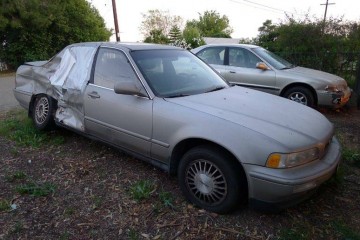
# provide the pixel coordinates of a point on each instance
(300, 85)
(32, 101)
(181, 148)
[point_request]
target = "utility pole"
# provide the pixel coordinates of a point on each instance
(117, 34)
(326, 7)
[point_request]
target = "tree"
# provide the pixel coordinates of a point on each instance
(211, 24)
(157, 21)
(192, 36)
(37, 29)
(156, 36)
(175, 34)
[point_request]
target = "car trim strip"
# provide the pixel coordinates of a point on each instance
(254, 86)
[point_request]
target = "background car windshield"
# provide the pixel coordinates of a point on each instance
(175, 73)
(274, 60)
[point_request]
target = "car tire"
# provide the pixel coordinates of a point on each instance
(42, 112)
(301, 95)
(211, 180)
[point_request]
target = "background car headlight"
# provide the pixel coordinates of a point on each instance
(286, 160)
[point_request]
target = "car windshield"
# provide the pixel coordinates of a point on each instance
(273, 59)
(176, 73)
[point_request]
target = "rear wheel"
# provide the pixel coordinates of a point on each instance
(42, 112)
(210, 180)
(301, 95)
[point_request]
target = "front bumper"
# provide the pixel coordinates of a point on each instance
(333, 99)
(274, 189)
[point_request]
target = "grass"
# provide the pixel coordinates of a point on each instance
(142, 189)
(351, 156)
(20, 128)
(167, 199)
(18, 175)
(36, 190)
(4, 205)
(345, 231)
(295, 233)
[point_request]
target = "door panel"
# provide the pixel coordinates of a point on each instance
(242, 71)
(123, 120)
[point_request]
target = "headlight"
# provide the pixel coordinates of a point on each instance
(287, 160)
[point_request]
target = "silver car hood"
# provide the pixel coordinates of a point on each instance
(326, 78)
(289, 123)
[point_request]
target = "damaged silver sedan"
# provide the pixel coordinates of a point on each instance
(226, 144)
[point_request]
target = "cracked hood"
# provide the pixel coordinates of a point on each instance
(289, 123)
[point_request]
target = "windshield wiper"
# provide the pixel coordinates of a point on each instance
(178, 95)
(288, 67)
(215, 89)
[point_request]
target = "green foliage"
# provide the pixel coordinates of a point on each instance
(175, 34)
(133, 234)
(166, 198)
(18, 175)
(37, 29)
(142, 189)
(211, 24)
(36, 190)
(19, 128)
(295, 233)
(351, 156)
(156, 36)
(4, 205)
(192, 36)
(345, 231)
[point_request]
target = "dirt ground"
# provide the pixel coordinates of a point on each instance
(91, 197)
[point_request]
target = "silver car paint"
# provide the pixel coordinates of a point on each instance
(247, 123)
(276, 81)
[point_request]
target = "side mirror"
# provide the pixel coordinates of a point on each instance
(262, 66)
(129, 88)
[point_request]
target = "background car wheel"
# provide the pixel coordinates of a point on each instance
(210, 180)
(42, 113)
(301, 95)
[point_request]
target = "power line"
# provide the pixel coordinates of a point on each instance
(326, 7)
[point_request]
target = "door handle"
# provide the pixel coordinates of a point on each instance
(232, 72)
(94, 95)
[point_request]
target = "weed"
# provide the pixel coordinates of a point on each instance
(36, 190)
(351, 156)
(4, 205)
(142, 189)
(345, 231)
(97, 202)
(296, 233)
(18, 175)
(133, 235)
(166, 198)
(69, 211)
(58, 140)
(18, 227)
(14, 151)
(65, 236)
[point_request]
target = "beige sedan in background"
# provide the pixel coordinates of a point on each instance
(257, 68)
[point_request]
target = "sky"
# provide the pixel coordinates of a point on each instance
(245, 16)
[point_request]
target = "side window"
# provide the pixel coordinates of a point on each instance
(213, 55)
(240, 57)
(112, 66)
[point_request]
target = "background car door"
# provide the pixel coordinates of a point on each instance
(242, 71)
(123, 120)
(215, 56)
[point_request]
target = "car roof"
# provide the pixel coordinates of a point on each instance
(231, 45)
(128, 45)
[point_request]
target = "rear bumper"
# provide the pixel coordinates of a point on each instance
(274, 189)
(334, 100)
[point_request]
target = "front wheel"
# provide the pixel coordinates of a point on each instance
(42, 112)
(211, 180)
(300, 95)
